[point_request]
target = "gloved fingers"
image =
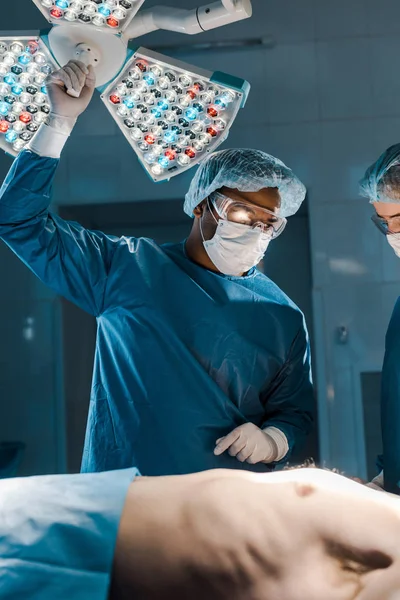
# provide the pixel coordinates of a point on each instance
(238, 446)
(253, 458)
(76, 85)
(90, 77)
(227, 441)
(245, 454)
(90, 84)
(80, 70)
(73, 93)
(60, 77)
(80, 65)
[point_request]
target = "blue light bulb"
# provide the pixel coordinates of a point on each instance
(156, 113)
(163, 161)
(24, 59)
(62, 4)
(149, 78)
(10, 79)
(104, 10)
(170, 137)
(17, 89)
(220, 102)
(191, 114)
(163, 104)
(4, 108)
(11, 136)
(43, 89)
(129, 102)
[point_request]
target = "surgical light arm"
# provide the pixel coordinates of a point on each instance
(197, 20)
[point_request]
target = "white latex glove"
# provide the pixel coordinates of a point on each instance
(70, 89)
(248, 443)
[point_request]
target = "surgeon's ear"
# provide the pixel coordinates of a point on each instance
(199, 210)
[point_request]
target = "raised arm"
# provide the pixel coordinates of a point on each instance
(70, 259)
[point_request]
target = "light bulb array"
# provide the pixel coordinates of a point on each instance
(111, 15)
(24, 105)
(172, 114)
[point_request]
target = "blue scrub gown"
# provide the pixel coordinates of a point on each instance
(390, 405)
(58, 535)
(183, 355)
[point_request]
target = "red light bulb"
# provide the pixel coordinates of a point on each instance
(115, 99)
(112, 22)
(57, 13)
(150, 139)
(212, 131)
(25, 117)
(170, 154)
(190, 152)
(192, 93)
(212, 111)
(4, 126)
(32, 47)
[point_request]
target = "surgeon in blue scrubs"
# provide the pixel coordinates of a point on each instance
(201, 360)
(381, 185)
(301, 534)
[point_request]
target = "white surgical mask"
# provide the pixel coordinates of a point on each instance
(394, 241)
(235, 248)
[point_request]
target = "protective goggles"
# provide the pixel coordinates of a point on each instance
(388, 225)
(249, 214)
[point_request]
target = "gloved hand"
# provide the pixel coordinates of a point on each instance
(248, 443)
(70, 90)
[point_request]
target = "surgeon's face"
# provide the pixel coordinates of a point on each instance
(268, 198)
(387, 216)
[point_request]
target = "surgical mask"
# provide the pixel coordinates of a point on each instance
(394, 241)
(235, 248)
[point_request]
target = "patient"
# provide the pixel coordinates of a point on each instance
(302, 534)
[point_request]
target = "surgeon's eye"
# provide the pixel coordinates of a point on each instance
(241, 215)
(270, 222)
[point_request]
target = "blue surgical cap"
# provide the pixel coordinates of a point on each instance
(371, 184)
(245, 170)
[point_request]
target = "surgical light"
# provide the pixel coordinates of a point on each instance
(171, 113)
(183, 136)
(21, 102)
(113, 14)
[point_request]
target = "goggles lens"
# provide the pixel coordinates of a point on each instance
(249, 214)
(386, 226)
